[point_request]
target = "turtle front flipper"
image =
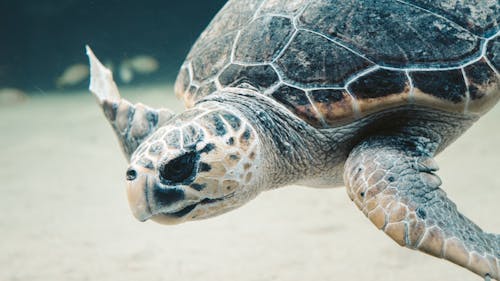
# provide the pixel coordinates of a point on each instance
(132, 123)
(391, 180)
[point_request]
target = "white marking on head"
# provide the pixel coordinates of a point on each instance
(204, 162)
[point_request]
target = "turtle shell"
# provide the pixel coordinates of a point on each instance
(334, 61)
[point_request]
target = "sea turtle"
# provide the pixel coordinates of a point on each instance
(361, 93)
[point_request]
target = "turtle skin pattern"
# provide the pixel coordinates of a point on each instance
(393, 181)
(415, 73)
(331, 62)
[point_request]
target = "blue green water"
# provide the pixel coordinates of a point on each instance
(40, 39)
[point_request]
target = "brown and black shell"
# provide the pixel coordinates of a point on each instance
(330, 62)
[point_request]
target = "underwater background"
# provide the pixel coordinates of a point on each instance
(64, 213)
(39, 40)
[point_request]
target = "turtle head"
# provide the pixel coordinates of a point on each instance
(200, 164)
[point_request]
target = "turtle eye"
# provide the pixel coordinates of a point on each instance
(180, 169)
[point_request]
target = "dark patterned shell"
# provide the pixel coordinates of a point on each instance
(330, 62)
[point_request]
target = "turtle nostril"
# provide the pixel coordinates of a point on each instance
(131, 174)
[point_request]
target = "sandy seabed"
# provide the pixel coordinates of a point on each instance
(64, 213)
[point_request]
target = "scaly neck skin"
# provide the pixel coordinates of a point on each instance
(292, 150)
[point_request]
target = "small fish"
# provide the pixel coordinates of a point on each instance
(143, 64)
(73, 75)
(9, 96)
(126, 73)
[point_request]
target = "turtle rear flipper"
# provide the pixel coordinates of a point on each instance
(132, 123)
(391, 180)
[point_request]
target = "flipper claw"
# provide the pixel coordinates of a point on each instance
(102, 84)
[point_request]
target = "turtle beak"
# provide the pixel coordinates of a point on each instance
(137, 198)
(149, 199)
